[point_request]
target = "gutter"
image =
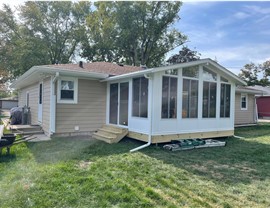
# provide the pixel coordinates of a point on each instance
(150, 119)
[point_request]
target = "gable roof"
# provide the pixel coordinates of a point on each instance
(249, 90)
(111, 69)
(207, 62)
(94, 70)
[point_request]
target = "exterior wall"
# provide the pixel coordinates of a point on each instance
(263, 106)
(87, 115)
(46, 105)
(179, 126)
(33, 101)
(245, 116)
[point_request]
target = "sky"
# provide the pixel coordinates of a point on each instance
(234, 33)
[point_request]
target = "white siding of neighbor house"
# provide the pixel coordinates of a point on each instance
(33, 100)
(88, 114)
(46, 105)
(244, 116)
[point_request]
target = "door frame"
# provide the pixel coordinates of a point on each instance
(40, 101)
(118, 103)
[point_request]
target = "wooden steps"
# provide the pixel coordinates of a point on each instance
(26, 129)
(110, 134)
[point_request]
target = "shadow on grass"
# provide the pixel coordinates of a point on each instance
(77, 148)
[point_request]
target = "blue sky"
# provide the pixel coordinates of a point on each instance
(235, 33)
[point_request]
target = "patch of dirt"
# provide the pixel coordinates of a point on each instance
(84, 164)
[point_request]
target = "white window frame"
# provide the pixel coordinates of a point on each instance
(246, 96)
(75, 100)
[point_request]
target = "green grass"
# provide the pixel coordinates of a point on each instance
(78, 172)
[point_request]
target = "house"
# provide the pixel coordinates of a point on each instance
(187, 100)
(262, 100)
(246, 112)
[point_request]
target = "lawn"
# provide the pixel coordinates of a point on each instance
(80, 172)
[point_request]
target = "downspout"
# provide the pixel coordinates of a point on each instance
(150, 119)
(53, 103)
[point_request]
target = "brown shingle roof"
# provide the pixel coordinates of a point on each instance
(98, 67)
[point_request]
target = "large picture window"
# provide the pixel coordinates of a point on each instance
(140, 97)
(209, 99)
(190, 98)
(67, 90)
(225, 100)
(169, 97)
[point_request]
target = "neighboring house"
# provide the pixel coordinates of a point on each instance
(245, 106)
(187, 100)
(262, 100)
(8, 103)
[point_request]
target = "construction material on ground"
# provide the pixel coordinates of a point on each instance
(188, 144)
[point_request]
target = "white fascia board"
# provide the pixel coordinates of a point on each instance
(176, 66)
(37, 70)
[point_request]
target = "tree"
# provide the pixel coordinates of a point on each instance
(184, 55)
(43, 33)
(134, 33)
(251, 74)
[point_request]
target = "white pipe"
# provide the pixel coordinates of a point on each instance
(150, 119)
(55, 77)
(238, 137)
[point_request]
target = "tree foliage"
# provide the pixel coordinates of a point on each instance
(43, 33)
(184, 55)
(134, 33)
(254, 74)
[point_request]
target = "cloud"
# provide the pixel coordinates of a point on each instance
(234, 58)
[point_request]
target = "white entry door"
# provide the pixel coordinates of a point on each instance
(40, 101)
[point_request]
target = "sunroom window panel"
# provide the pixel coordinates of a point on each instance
(228, 101)
(169, 97)
(144, 97)
(190, 99)
(213, 99)
(140, 97)
(209, 99)
(194, 99)
(173, 97)
(165, 95)
(136, 97)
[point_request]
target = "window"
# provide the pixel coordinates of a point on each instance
(190, 98)
(208, 75)
(169, 97)
(191, 72)
(172, 72)
(209, 99)
(140, 97)
(67, 90)
(225, 100)
(27, 99)
(244, 99)
(40, 93)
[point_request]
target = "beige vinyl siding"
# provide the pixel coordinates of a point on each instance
(33, 100)
(88, 114)
(244, 116)
(46, 105)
